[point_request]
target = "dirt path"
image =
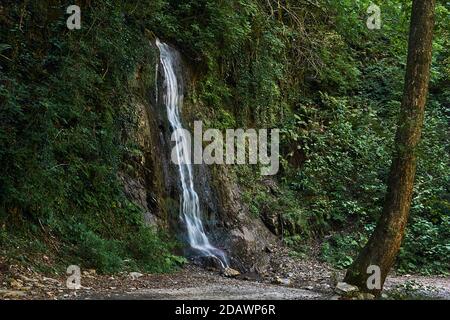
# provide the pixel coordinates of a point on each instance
(308, 281)
(197, 284)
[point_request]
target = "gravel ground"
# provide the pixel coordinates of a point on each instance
(197, 284)
(288, 278)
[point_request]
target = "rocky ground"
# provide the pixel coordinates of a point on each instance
(287, 278)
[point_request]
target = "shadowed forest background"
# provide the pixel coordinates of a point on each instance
(68, 123)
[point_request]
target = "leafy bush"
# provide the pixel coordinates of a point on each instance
(152, 251)
(426, 249)
(94, 252)
(341, 249)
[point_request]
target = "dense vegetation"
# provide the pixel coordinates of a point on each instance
(334, 87)
(66, 116)
(311, 68)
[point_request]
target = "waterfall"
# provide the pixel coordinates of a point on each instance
(190, 206)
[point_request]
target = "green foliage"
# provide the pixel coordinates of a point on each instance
(94, 251)
(336, 100)
(340, 249)
(146, 250)
(310, 68)
(153, 253)
(66, 121)
(341, 176)
(426, 249)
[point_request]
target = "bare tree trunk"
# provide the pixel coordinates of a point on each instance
(384, 244)
(280, 11)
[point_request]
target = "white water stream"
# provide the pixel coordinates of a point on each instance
(190, 206)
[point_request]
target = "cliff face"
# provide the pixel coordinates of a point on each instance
(155, 184)
(151, 183)
(145, 187)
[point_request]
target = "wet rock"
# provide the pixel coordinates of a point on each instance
(146, 185)
(230, 272)
(345, 288)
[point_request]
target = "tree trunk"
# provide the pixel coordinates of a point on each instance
(384, 244)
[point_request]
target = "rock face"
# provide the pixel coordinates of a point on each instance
(245, 237)
(140, 184)
(153, 182)
(150, 180)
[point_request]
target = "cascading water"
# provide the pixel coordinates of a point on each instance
(190, 208)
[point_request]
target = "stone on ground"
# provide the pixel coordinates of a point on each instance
(230, 272)
(345, 288)
(135, 275)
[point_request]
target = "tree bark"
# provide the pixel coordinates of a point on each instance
(384, 244)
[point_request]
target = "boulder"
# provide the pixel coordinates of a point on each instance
(345, 288)
(230, 272)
